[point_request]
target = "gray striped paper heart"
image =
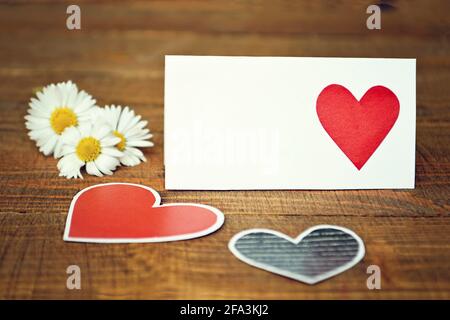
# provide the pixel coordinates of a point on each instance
(319, 253)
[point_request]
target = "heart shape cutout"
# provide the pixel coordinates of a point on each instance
(126, 212)
(317, 254)
(357, 127)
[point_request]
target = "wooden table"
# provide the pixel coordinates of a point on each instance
(118, 57)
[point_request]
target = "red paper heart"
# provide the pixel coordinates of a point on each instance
(123, 212)
(357, 127)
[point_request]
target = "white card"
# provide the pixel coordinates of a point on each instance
(235, 123)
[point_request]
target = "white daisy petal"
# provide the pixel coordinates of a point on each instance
(112, 152)
(48, 98)
(36, 104)
(130, 160)
(132, 156)
(40, 134)
(92, 169)
(132, 123)
(95, 114)
(85, 104)
(85, 129)
(102, 131)
(127, 160)
(136, 152)
(37, 121)
(139, 143)
(110, 141)
(139, 132)
(111, 116)
(69, 166)
(66, 149)
(137, 129)
(141, 137)
(125, 118)
(48, 147)
(38, 113)
(71, 136)
(106, 164)
(57, 153)
(71, 97)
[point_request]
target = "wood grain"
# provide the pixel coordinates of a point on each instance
(118, 57)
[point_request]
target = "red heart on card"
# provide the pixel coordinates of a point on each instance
(357, 127)
(124, 212)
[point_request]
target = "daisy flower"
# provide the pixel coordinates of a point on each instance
(131, 130)
(90, 144)
(56, 108)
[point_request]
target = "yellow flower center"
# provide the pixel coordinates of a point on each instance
(88, 149)
(61, 118)
(123, 142)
